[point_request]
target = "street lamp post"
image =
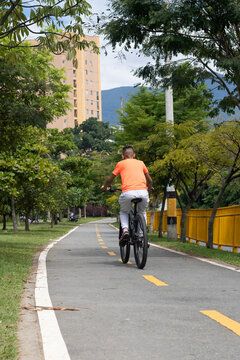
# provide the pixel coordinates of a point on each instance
(171, 193)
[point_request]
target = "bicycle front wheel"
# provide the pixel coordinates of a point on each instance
(141, 241)
(124, 250)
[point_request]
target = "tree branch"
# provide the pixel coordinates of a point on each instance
(9, 11)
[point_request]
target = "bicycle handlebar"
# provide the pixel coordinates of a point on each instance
(112, 189)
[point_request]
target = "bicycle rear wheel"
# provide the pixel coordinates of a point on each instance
(141, 241)
(124, 250)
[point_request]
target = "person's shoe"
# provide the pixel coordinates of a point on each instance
(124, 238)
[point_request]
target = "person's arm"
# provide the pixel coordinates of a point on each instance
(108, 182)
(149, 181)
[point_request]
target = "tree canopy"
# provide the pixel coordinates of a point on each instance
(205, 31)
(31, 89)
(56, 24)
(92, 135)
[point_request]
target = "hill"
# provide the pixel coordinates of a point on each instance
(111, 101)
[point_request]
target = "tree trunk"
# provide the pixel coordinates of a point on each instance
(52, 221)
(183, 222)
(49, 216)
(14, 219)
(85, 211)
(79, 213)
(154, 204)
(4, 222)
(160, 232)
(213, 214)
(27, 222)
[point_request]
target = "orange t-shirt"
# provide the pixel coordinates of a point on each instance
(132, 174)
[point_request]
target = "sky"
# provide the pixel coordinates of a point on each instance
(116, 72)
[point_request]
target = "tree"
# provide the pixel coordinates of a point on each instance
(92, 135)
(56, 24)
(25, 172)
(145, 111)
(205, 31)
(31, 90)
(220, 150)
(190, 175)
(59, 143)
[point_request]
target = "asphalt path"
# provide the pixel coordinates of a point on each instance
(122, 315)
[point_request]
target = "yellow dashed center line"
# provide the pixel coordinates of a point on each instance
(223, 320)
(154, 280)
(111, 253)
(104, 247)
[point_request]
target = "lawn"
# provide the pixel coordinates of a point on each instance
(16, 254)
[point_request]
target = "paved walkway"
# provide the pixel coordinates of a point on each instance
(176, 308)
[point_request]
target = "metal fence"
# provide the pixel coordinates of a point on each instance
(226, 231)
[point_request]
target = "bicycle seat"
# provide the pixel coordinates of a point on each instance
(136, 200)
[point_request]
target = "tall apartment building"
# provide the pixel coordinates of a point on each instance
(85, 95)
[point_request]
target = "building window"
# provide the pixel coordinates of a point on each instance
(91, 92)
(91, 73)
(97, 114)
(90, 62)
(85, 62)
(75, 93)
(74, 73)
(65, 121)
(91, 102)
(75, 112)
(75, 122)
(75, 83)
(91, 83)
(85, 52)
(86, 82)
(97, 105)
(75, 102)
(97, 94)
(87, 111)
(86, 92)
(86, 72)
(91, 112)
(63, 61)
(87, 101)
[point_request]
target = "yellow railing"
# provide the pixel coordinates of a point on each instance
(226, 231)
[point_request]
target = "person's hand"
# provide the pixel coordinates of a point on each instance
(104, 188)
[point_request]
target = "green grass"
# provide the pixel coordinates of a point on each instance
(199, 250)
(193, 249)
(16, 254)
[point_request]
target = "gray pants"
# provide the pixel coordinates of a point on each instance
(125, 204)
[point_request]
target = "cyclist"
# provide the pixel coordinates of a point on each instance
(135, 178)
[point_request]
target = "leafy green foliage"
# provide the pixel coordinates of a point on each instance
(31, 90)
(57, 25)
(205, 31)
(92, 135)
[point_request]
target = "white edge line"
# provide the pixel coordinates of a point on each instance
(198, 258)
(54, 346)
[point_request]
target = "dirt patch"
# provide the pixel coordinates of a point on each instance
(29, 336)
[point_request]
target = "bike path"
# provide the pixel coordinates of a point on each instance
(122, 315)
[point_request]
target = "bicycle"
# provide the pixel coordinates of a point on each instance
(137, 236)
